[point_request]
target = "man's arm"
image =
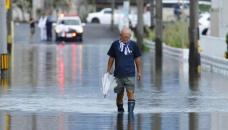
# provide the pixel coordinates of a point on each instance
(138, 66)
(110, 62)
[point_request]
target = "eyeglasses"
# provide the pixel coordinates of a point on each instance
(125, 37)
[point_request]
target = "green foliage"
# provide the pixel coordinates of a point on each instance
(226, 55)
(227, 39)
(204, 8)
(226, 46)
(145, 47)
(151, 35)
(173, 34)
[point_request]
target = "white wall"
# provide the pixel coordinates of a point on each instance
(224, 18)
(213, 46)
(219, 19)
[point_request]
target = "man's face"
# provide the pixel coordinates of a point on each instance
(125, 37)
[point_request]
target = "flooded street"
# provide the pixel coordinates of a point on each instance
(58, 87)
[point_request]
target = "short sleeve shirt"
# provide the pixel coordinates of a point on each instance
(124, 64)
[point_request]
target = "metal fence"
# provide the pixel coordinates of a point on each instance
(208, 62)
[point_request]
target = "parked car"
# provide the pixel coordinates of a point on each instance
(204, 23)
(103, 16)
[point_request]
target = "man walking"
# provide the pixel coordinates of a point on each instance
(126, 54)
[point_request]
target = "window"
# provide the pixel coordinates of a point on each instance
(168, 5)
(70, 22)
(107, 12)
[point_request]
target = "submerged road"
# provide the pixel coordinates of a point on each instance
(58, 87)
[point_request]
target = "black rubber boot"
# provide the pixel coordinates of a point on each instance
(131, 105)
(120, 107)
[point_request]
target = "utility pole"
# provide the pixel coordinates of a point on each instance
(194, 55)
(3, 34)
(140, 24)
(152, 13)
(34, 10)
(158, 29)
(9, 28)
(112, 17)
(10, 37)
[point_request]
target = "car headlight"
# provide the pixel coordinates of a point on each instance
(80, 30)
(57, 31)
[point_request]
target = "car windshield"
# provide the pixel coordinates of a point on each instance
(70, 22)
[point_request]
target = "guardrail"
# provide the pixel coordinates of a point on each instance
(208, 62)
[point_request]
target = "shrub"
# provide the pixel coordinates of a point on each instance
(226, 53)
(173, 34)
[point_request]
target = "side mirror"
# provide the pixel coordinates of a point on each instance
(83, 24)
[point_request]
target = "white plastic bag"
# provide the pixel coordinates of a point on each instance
(108, 83)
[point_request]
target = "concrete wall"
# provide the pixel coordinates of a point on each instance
(219, 19)
(224, 19)
(214, 29)
(213, 46)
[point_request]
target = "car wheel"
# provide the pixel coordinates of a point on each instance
(79, 39)
(95, 20)
(56, 39)
(204, 32)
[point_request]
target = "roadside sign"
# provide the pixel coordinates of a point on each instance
(7, 4)
(126, 5)
(126, 8)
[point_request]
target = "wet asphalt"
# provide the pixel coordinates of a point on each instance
(55, 86)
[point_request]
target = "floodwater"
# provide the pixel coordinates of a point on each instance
(58, 87)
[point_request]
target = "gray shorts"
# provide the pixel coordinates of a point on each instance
(128, 83)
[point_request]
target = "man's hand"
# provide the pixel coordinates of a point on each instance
(139, 76)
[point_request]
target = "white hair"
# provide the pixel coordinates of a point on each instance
(126, 29)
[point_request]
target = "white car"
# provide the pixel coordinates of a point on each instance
(74, 25)
(104, 16)
(204, 23)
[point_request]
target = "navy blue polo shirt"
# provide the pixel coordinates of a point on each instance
(124, 64)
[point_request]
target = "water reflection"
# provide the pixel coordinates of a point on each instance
(119, 121)
(156, 121)
(124, 121)
(130, 122)
(193, 121)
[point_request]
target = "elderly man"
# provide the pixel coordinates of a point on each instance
(126, 54)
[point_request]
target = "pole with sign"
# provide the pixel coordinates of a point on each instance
(3, 35)
(126, 5)
(7, 4)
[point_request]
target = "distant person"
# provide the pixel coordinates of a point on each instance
(42, 26)
(177, 10)
(62, 28)
(32, 27)
(49, 23)
(126, 55)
